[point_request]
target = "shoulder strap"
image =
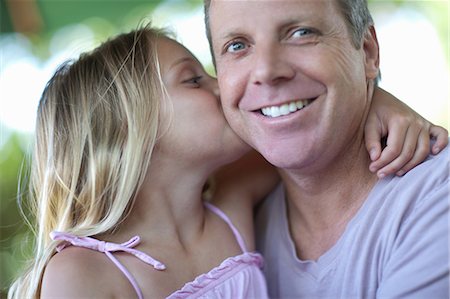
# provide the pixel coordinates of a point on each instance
(225, 218)
(107, 248)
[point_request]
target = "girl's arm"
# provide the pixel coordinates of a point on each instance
(249, 179)
(408, 136)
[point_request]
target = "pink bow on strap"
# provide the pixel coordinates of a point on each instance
(102, 246)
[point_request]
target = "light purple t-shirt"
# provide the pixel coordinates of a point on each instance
(396, 246)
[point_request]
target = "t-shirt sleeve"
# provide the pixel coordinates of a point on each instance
(419, 265)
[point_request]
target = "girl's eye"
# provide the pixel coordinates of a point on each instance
(194, 80)
(235, 46)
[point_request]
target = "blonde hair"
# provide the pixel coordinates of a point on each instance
(98, 122)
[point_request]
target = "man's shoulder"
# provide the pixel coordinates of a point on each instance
(419, 229)
(430, 174)
(436, 163)
(423, 189)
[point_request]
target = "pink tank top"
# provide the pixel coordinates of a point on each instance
(236, 277)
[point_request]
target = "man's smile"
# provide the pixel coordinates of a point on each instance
(285, 109)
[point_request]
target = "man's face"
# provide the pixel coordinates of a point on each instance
(292, 84)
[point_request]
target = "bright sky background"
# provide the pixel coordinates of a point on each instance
(413, 64)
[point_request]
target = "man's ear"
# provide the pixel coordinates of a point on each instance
(372, 53)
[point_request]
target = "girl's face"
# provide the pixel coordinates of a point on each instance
(197, 130)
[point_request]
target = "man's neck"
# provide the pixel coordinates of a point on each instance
(320, 205)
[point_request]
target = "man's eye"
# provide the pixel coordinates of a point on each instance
(301, 32)
(235, 46)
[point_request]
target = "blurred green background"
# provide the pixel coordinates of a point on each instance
(37, 35)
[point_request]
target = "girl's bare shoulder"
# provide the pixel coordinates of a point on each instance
(83, 273)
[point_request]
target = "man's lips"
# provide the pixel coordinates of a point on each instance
(286, 108)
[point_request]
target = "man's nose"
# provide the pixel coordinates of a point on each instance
(271, 66)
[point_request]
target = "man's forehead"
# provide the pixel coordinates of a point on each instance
(243, 7)
(228, 16)
(256, 3)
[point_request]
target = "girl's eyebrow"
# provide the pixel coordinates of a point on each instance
(180, 61)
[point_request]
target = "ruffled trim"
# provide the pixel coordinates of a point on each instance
(229, 264)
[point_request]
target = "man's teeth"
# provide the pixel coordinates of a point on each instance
(285, 109)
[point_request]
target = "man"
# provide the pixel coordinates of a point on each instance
(296, 81)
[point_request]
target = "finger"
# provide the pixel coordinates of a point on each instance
(372, 137)
(395, 141)
(441, 136)
(407, 153)
(421, 152)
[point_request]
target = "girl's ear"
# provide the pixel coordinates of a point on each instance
(372, 53)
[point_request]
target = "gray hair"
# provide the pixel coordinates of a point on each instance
(358, 18)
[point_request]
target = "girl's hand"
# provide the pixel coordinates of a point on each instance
(409, 136)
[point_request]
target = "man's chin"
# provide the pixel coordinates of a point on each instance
(282, 159)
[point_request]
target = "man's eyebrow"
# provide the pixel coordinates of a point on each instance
(233, 32)
(227, 36)
(291, 22)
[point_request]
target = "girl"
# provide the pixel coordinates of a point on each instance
(126, 139)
